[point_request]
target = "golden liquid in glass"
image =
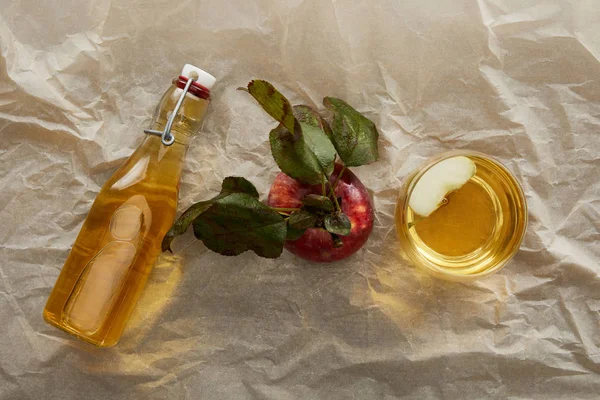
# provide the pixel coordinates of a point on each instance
(475, 232)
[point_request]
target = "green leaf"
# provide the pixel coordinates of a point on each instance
(338, 224)
(302, 219)
(239, 222)
(293, 233)
(319, 147)
(305, 156)
(318, 202)
(230, 185)
(236, 184)
(316, 133)
(308, 115)
(294, 157)
(183, 222)
(354, 136)
(274, 103)
(300, 144)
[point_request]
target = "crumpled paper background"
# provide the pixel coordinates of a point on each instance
(515, 79)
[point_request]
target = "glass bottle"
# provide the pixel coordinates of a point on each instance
(120, 239)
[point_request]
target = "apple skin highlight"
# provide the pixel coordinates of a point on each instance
(316, 244)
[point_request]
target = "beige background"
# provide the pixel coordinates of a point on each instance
(517, 79)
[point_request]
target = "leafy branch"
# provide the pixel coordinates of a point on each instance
(304, 146)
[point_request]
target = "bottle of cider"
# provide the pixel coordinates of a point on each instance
(120, 239)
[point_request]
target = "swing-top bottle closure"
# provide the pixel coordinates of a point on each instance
(192, 80)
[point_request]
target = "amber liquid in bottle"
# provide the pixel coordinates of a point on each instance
(119, 242)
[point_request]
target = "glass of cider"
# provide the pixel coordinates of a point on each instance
(462, 216)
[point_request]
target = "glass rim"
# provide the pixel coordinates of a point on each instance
(410, 185)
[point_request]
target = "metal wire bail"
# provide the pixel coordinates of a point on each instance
(167, 138)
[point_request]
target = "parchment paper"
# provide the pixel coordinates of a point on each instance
(515, 79)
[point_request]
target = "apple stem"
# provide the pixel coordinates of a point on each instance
(337, 179)
(332, 187)
(337, 204)
(332, 194)
(323, 190)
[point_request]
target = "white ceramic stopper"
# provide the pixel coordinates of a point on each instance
(202, 77)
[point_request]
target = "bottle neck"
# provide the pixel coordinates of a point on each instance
(188, 120)
(152, 161)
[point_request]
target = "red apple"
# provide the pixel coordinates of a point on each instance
(317, 244)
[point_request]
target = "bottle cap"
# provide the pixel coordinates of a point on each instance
(202, 77)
